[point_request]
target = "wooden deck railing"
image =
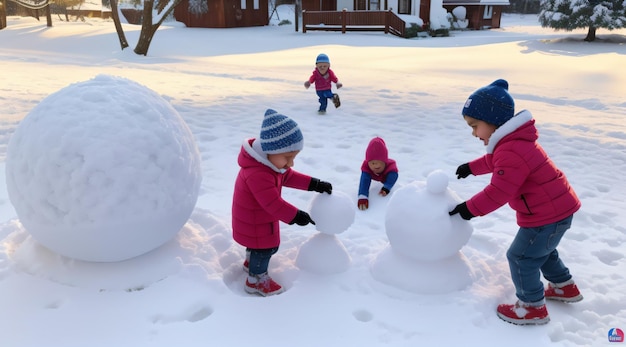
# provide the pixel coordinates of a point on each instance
(343, 21)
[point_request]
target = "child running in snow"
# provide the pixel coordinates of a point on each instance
(379, 167)
(265, 167)
(522, 175)
(323, 77)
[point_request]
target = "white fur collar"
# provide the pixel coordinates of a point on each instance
(257, 153)
(510, 126)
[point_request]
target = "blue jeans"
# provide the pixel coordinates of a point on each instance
(324, 95)
(260, 260)
(533, 252)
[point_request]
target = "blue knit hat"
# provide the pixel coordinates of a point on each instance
(322, 58)
(492, 104)
(280, 134)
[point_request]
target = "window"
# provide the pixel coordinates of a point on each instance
(404, 6)
(488, 12)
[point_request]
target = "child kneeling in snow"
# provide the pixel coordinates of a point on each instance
(379, 167)
(522, 175)
(265, 167)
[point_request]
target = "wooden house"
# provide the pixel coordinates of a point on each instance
(480, 13)
(222, 13)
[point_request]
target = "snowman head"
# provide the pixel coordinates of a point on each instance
(333, 213)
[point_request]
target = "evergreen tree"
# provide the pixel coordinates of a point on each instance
(573, 14)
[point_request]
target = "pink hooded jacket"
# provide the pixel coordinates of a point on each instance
(323, 82)
(377, 150)
(523, 176)
(257, 203)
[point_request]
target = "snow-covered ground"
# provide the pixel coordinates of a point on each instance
(410, 92)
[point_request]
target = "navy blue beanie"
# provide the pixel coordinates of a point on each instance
(280, 134)
(492, 104)
(322, 58)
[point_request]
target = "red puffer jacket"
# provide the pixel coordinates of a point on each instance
(523, 176)
(257, 203)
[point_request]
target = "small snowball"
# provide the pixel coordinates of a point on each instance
(333, 213)
(437, 182)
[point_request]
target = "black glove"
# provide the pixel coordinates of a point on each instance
(463, 211)
(320, 186)
(463, 171)
(302, 218)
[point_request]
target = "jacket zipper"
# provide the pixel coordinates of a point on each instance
(526, 204)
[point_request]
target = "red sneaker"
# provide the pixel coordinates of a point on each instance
(566, 293)
(523, 314)
(264, 285)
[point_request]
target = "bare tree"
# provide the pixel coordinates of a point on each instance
(149, 23)
(118, 25)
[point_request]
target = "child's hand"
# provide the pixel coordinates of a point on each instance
(324, 187)
(463, 211)
(463, 171)
(383, 192)
(307, 84)
(363, 204)
(320, 186)
(339, 85)
(302, 218)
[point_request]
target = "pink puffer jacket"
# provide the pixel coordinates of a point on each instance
(257, 203)
(323, 82)
(523, 176)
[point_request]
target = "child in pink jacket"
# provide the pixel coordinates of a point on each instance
(324, 77)
(379, 167)
(265, 167)
(523, 176)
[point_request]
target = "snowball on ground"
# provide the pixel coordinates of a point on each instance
(323, 254)
(333, 213)
(418, 224)
(103, 170)
(436, 277)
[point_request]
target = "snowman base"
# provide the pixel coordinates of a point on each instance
(323, 254)
(423, 277)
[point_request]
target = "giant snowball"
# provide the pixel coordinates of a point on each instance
(103, 170)
(418, 224)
